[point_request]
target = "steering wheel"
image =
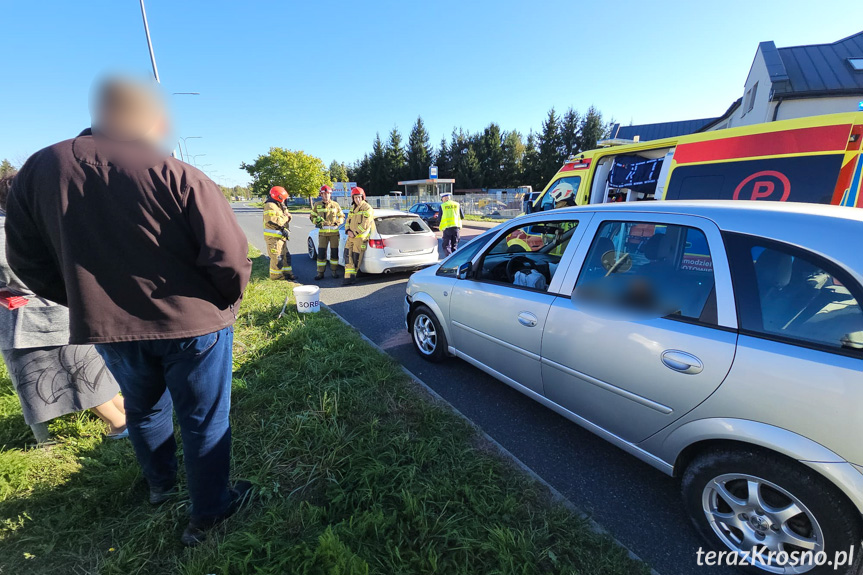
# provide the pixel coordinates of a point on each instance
(516, 264)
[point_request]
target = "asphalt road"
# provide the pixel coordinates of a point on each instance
(637, 504)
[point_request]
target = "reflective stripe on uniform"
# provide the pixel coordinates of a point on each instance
(273, 234)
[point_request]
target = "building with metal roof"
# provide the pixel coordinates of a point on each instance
(645, 132)
(799, 81)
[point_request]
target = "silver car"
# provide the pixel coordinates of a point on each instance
(720, 342)
(399, 241)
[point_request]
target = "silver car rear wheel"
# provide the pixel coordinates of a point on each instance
(748, 512)
(774, 514)
(312, 250)
(427, 335)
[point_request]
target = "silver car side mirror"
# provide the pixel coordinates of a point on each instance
(463, 271)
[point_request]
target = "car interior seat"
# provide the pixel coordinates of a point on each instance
(772, 273)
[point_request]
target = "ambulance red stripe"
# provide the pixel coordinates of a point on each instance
(799, 141)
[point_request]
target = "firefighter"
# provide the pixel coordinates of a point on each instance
(450, 222)
(327, 216)
(276, 223)
(358, 228)
(563, 195)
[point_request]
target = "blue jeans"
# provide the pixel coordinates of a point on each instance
(193, 377)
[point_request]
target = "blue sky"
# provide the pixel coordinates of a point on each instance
(325, 77)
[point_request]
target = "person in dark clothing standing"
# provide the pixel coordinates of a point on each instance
(147, 255)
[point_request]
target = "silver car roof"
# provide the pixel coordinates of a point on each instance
(831, 231)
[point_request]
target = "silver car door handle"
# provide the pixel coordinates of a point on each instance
(682, 361)
(527, 319)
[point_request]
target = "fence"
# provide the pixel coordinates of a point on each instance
(486, 205)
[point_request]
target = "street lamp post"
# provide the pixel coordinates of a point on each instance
(149, 43)
(187, 145)
(193, 156)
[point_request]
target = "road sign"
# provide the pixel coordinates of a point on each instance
(432, 172)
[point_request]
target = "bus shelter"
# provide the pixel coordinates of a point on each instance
(431, 187)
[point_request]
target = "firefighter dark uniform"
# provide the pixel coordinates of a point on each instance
(276, 223)
(327, 216)
(450, 223)
(359, 222)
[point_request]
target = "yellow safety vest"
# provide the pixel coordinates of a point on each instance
(451, 217)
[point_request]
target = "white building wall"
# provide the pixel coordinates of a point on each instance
(816, 107)
(761, 107)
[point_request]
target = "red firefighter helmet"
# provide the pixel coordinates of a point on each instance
(327, 189)
(358, 192)
(279, 193)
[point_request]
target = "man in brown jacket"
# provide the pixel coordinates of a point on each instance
(151, 262)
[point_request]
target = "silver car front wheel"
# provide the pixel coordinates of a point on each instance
(427, 335)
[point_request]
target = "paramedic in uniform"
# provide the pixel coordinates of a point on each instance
(277, 220)
(450, 223)
(358, 228)
(327, 216)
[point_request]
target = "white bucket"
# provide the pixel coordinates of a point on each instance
(308, 299)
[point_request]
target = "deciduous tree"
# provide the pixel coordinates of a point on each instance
(299, 173)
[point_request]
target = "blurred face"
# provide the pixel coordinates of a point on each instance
(326, 196)
(357, 199)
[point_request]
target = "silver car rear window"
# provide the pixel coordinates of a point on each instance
(396, 225)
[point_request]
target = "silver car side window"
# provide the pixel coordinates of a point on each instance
(801, 300)
(527, 256)
(664, 270)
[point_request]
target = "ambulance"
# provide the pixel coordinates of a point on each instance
(815, 159)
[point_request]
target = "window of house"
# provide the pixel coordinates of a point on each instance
(750, 97)
(856, 63)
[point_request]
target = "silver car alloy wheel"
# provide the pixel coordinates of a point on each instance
(312, 250)
(425, 334)
(752, 514)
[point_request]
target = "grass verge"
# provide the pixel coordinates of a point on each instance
(356, 471)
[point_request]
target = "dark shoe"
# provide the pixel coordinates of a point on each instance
(159, 495)
(335, 273)
(196, 531)
(349, 281)
(320, 276)
(290, 277)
